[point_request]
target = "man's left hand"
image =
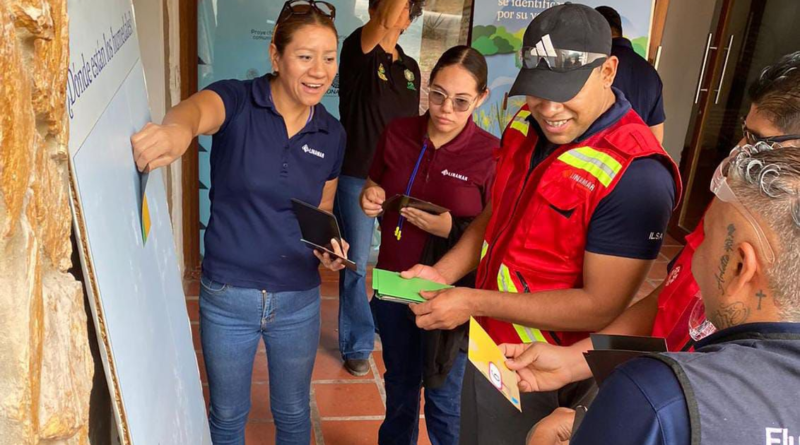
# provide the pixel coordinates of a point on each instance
(445, 309)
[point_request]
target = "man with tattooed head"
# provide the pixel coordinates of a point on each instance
(740, 384)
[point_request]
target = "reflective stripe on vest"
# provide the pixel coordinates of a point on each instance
(520, 122)
(484, 249)
(596, 163)
(506, 284)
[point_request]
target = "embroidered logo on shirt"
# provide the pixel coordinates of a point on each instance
(382, 73)
(316, 153)
(446, 172)
(410, 78)
(582, 181)
(673, 275)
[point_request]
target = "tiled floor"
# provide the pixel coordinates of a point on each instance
(345, 410)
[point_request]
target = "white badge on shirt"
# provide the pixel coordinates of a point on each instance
(447, 172)
(316, 153)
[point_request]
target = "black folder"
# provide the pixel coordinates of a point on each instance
(318, 228)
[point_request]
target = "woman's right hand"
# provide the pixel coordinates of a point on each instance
(372, 199)
(155, 146)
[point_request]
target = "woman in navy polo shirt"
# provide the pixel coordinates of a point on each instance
(444, 158)
(273, 141)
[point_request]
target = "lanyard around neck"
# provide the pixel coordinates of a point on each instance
(398, 231)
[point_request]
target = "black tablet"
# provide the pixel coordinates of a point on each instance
(398, 202)
(318, 228)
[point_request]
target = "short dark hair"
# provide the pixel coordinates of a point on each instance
(468, 58)
(612, 17)
(414, 7)
(285, 29)
(776, 93)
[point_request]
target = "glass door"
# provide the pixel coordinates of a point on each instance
(748, 35)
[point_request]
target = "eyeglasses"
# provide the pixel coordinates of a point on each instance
(723, 191)
(460, 104)
(303, 7)
(558, 59)
(753, 139)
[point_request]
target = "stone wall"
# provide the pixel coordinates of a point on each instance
(46, 367)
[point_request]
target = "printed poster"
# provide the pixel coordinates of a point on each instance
(125, 237)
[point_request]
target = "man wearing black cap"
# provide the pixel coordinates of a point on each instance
(582, 196)
(636, 78)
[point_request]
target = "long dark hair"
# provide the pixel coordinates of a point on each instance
(285, 28)
(469, 59)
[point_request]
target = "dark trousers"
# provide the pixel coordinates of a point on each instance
(488, 418)
(402, 353)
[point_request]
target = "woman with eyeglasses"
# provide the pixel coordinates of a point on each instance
(444, 158)
(378, 83)
(272, 141)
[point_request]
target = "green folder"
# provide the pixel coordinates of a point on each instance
(390, 286)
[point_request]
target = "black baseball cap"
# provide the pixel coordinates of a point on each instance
(566, 31)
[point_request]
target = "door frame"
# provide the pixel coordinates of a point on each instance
(190, 176)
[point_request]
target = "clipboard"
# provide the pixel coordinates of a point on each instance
(318, 228)
(611, 351)
(398, 202)
(390, 286)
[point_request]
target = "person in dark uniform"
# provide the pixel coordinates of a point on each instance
(378, 82)
(636, 78)
(739, 386)
(444, 158)
(273, 141)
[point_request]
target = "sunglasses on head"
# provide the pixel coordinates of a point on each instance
(304, 7)
(753, 138)
(460, 104)
(559, 59)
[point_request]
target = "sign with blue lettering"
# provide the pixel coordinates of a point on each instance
(134, 287)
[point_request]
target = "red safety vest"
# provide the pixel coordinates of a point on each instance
(678, 297)
(536, 238)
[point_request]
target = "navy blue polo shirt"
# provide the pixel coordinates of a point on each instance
(639, 81)
(642, 402)
(253, 238)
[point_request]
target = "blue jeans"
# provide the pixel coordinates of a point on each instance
(232, 322)
(356, 327)
(402, 353)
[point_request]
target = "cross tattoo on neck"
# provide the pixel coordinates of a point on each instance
(760, 296)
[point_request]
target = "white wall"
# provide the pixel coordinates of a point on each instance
(150, 26)
(685, 34)
(162, 74)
